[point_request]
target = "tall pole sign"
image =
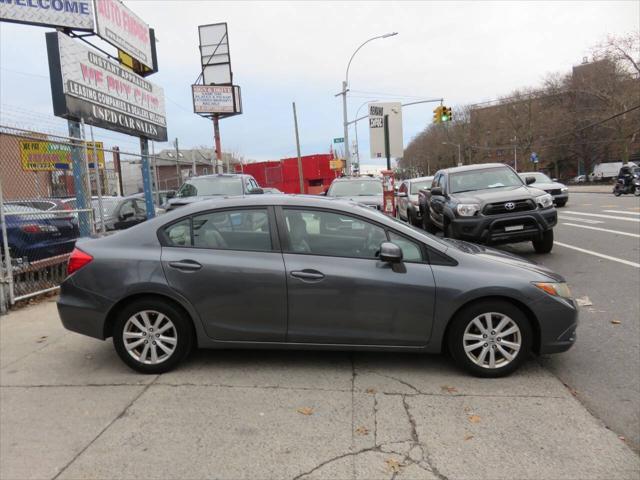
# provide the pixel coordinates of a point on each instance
(216, 97)
(88, 87)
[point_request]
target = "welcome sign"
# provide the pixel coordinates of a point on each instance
(76, 14)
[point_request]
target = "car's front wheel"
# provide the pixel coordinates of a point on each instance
(490, 338)
(545, 243)
(152, 335)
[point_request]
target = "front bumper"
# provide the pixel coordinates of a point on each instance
(561, 198)
(558, 321)
(504, 228)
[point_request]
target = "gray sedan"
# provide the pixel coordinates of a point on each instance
(280, 271)
(559, 191)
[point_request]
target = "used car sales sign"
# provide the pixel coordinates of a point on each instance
(86, 85)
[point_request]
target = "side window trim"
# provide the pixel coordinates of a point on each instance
(421, 246)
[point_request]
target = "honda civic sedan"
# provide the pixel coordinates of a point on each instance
(302, 272)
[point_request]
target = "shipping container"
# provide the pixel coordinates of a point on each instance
(283, 174)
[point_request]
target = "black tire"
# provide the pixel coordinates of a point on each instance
(426, 223)
(616, 192)
(455, 337)
(545, 244)
(411, 218)
(182, 328)
(448, 230)
(636, 192)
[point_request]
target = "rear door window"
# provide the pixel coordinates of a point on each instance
(233, 230)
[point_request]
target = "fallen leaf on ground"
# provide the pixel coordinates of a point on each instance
(622, 438)
(372, 391)
(584, 301)
(448, 389)
(616, 322)
(474, 418)
(362, 430)
(305, 411)
(468, 437)
(393, 465)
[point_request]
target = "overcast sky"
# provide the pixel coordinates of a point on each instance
(281, 52)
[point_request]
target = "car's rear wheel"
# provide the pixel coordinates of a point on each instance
(152, 335)
(490, 338)
(545, 243)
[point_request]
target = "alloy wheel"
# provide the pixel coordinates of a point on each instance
(150, 337)
(492, 340)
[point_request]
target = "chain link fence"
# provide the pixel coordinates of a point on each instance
(54, 190)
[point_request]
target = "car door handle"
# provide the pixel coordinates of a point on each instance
(307, 274)
(186, 265)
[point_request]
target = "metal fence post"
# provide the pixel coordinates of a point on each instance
(96, 166)
(146, 177)
(7, 254)
(79, 172)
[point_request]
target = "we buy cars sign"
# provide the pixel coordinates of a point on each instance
(87, 85)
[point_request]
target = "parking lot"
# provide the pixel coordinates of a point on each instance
(70, 409)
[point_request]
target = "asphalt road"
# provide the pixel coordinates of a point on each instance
(598, 251)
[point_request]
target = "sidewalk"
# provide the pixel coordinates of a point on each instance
(69, 407)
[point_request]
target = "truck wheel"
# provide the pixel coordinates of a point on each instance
(448, 230)
(426, 223)
(545, 244)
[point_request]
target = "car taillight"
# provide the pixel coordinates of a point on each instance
(77, 260)
(32, 228)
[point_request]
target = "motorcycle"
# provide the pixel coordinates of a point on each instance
(633, 186)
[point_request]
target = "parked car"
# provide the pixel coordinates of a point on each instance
(260, 271)
(365, 190)
(35, 235)
(558, 191)
(46, 204)
(210, 186)
(489, 203)
(579, 179)
(407, 204)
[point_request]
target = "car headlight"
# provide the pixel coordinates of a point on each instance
(467, 209)
(564, 189)
(555, 289)
(545, 201)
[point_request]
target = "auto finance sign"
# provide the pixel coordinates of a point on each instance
(76, 14)
(41, 156)
(86, 85)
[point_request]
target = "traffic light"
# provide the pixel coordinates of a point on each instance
(444, 114)
(450, 114)
(437, 114)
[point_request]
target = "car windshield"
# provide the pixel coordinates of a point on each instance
(540, 177)
(472, 180)
(355, 188)
(417, 185)
(109, 204)
(211, 186)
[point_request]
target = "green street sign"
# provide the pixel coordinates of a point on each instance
(338, 140)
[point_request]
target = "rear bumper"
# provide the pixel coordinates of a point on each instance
(505, 228)
(42, 250)
(83, 312)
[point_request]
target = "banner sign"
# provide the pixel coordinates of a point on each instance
(377, 112)
(75, 14)
(212, 99)
(43, 156)
(86, 85)
(123, 29)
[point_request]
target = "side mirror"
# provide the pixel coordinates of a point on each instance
(254, 191)
(436, 191)
(171, 194)
(323, 194)
(126, 215)
(554, 179)
(401, 194)
(390, 252)
(530, 180)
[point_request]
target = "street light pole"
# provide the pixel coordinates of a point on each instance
(355, 122)
(459, 151)
(345, 85)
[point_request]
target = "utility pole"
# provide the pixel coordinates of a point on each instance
(300, 174)
(345, 124)
(387, 148)
(116, 163)
(515, 153)
(178, 174)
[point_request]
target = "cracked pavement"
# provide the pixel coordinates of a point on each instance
(70, 409)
